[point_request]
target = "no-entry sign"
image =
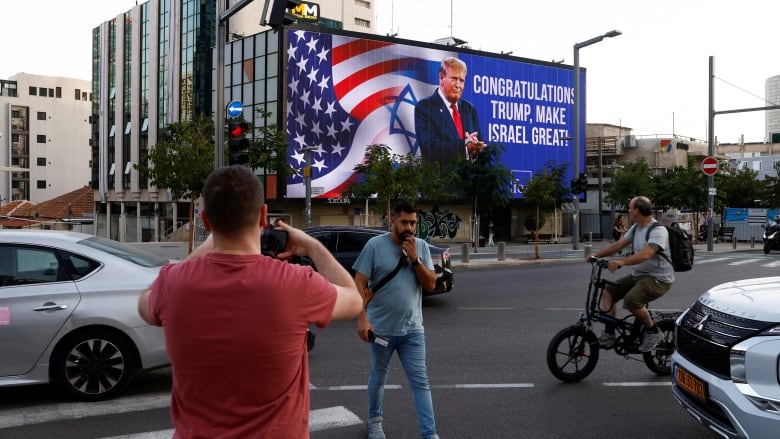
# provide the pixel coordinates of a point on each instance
(709, 166)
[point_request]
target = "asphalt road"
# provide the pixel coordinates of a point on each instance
(486, 353)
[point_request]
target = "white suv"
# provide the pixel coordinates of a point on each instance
(726, 370)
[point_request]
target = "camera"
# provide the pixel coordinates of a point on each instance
(273, 241)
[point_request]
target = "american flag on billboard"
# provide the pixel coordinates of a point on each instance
(344, 94)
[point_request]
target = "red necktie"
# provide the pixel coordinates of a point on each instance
(456, 119)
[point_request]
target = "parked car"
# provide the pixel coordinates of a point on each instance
(346, 243)
(69, 313)
(725, 370)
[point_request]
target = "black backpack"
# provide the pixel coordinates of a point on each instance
(680, 247)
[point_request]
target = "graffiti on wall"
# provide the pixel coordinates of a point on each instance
(437, 224)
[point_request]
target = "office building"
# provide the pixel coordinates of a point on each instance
(44, 127)
(152, 66)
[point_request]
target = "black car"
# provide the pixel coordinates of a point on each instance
(346, 243)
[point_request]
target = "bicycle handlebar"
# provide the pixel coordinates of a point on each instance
(602, 262)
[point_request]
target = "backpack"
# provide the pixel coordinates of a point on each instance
(680, 247)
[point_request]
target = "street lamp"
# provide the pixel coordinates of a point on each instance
(307, 181)
(577, 137)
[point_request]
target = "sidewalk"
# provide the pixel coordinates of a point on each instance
(516, 253)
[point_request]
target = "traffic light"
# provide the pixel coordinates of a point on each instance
(238, 144)
(575, 186)
(279, 15)
(583, 183)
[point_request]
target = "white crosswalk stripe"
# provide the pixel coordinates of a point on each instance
(746, 261)
(319, 420)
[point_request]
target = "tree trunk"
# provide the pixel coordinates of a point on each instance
(192, 225)
(536, 234)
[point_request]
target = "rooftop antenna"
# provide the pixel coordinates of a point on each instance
(451, 27)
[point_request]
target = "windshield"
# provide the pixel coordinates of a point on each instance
(124, 251)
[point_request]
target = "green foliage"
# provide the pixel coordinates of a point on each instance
(634, 179)
(181, 161)
(530, 222)
(681, 187)
(545, 190)
(484, 178)
(393, 177)
(740, 188)
(268, 147)
(182, 158)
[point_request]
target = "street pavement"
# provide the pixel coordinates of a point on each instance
(514, 253)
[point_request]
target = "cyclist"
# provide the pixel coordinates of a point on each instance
(650, 278)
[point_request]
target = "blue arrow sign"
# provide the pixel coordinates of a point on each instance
(234, 109)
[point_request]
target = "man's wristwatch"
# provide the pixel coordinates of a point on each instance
(417, 261)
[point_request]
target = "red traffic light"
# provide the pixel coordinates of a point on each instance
(238, 129)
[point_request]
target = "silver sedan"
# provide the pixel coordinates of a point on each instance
(69, 314)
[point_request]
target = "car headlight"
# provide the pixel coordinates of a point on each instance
(737, 364)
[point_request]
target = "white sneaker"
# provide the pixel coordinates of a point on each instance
(375, 428)
(649, 341)
(606, 340)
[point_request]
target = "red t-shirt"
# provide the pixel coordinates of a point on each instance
(235, 331)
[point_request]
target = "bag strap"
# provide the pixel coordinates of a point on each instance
(647, 238)
(389, 276)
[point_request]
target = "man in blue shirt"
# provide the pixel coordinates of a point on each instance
(392, 321)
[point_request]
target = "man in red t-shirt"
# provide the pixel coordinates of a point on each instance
(235, 321)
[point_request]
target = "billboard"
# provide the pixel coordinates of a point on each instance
(345, 93)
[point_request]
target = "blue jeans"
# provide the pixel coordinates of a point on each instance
(411, 352)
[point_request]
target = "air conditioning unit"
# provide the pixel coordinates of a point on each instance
(629, 142)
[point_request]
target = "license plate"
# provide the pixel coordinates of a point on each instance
(690, 382)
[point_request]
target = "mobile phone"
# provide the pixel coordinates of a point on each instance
(273, 241)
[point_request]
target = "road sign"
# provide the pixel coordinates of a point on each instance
(234, 109)
(709, 166)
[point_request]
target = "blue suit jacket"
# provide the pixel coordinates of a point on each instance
(435, 129)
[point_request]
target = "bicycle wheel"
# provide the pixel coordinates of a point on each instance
(573, 353)
(659, 359)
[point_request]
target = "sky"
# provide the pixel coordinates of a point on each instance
(653, 78)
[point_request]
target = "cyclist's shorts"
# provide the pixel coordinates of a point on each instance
(637, 292)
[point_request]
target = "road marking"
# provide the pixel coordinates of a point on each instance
(485, 386)
(580, 309)
(707, 261)
(359, 387)
(76, 410)
(745, 261)
(640, 384)
(319, 420)
(774, 264)
(486, 309)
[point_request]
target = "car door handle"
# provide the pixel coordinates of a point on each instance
(50, 307)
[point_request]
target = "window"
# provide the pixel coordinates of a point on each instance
(362, 22)
(363, 3)
(78, 94)
(51, 92)
(41, 184)
(40, 138)
(41, 161)
(41, 115)
(43, 91)
(59, 92)
(33, 91)
(29, 265)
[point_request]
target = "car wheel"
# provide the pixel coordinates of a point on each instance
(93, 365)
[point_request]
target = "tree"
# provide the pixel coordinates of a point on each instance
(681, 187)
(545, 190)
(181, 161)
(268, 147)
(484, 180)
(634, 179)
(393, 177)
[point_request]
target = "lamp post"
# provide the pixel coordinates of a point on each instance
(307, 181)
(577, 137)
